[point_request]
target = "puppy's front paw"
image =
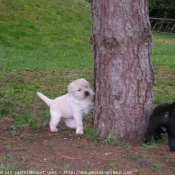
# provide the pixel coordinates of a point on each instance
(53, 129)
(79, 132)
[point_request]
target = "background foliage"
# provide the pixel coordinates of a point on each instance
(162, 8)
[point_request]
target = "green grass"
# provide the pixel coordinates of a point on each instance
(44, 45)
(164, 67)
(92, 135)
(164, 50)
(134, 157)
(45, 35)
(9, 163)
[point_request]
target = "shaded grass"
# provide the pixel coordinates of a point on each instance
(8, 163)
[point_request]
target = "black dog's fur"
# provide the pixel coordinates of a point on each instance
(162, 120)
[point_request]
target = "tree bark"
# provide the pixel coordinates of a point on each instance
(123, 77)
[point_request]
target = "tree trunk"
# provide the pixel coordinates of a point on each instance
(123, 77)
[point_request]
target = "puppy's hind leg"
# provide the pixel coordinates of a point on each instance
(151, 130)
(70, 123)
(54, 121)
(171, 137)
(157, 133)
(171, 142)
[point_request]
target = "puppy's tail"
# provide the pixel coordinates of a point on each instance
(44, 98)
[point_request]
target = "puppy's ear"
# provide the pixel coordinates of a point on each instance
(69, 88)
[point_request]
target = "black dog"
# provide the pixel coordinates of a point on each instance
(162, 120)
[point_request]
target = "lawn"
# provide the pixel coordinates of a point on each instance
(163, 59)
(44, 45)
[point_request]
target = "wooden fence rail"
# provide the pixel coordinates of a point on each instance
(163, 25)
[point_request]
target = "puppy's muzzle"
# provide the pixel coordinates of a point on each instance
(86, 93)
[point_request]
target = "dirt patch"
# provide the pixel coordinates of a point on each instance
(40, 151)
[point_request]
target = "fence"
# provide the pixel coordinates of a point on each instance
(163, 25)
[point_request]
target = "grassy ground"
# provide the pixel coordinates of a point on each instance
(164, 67)
(45, 35)
(43, 47)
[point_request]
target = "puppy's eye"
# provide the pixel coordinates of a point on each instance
(86, 86)
(79, 89)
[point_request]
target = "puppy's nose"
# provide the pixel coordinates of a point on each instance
(86, 93)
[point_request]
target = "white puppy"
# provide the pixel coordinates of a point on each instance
(72, 106)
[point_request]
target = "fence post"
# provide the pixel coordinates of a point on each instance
(163, 25)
